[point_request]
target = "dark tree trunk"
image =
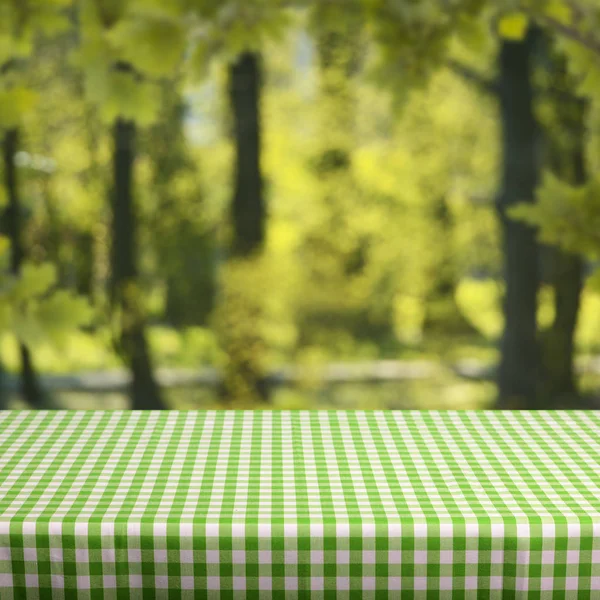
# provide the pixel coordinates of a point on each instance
(248, 209)
(125, 295)
(83, 263)
(30, 387)
(559, 382)
(244, 379)
(518, 372)
(559, 385)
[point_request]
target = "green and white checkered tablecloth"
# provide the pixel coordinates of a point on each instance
(299, 504)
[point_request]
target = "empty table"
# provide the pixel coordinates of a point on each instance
(299, 504)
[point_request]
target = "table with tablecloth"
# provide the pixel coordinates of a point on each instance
(299, 504)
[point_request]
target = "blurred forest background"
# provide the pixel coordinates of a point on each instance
(300, 203)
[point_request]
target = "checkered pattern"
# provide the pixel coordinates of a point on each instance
(299, 504)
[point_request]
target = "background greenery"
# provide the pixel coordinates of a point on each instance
(232, 189)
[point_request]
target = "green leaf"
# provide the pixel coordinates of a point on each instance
(584, 64)
(62, 312)
(567, 216)
(559, 11)
(152, 45)
(26, 327)
(513, 26)
(15, 104)
(473, 33)
(51, 23)
(129, 98)
(199, 61)
(159, 8)
(35, 280)
(6, 47)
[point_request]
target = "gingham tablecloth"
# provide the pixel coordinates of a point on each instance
(299, 504)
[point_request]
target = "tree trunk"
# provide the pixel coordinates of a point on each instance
(567, 270)
(517, 378)
(30, 387)
(240, 311)
(559, 386)
(125, 295)
(83, 263)
(248, 211)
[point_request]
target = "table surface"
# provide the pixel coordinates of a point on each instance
(487, 494)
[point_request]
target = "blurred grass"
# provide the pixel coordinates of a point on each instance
(450, 393)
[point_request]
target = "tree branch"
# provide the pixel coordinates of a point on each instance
(590, 42)
(489, 86)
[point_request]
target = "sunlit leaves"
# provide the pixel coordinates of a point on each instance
(149, 41)
(559, 11)
(121, 94)
(32, 309)
(152, 45)
(52, 23)
(35, 280)
(480, 302)
(568, 216)
(223, 30)
(21, 22)
(584, 64)
(513, 26)
(48, 319)
(472, 35)
(60, 313)
(173, 9)
(130, 98)
(15, 104)
(198, 63)
(11, 47)
(240, 322)
(412, 38)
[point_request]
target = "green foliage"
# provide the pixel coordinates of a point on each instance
(152, 45)
(150, 42)
(21, 22)
(568, 216)
(124, 96)
(584, 65)
(177, 232)
(221, 31)
(356, 246)
(239, 321)
(16, 103)
(481, 303)
(412, 38)
(560, 11)
(33, 310)
(19, 26)
(513, 26)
